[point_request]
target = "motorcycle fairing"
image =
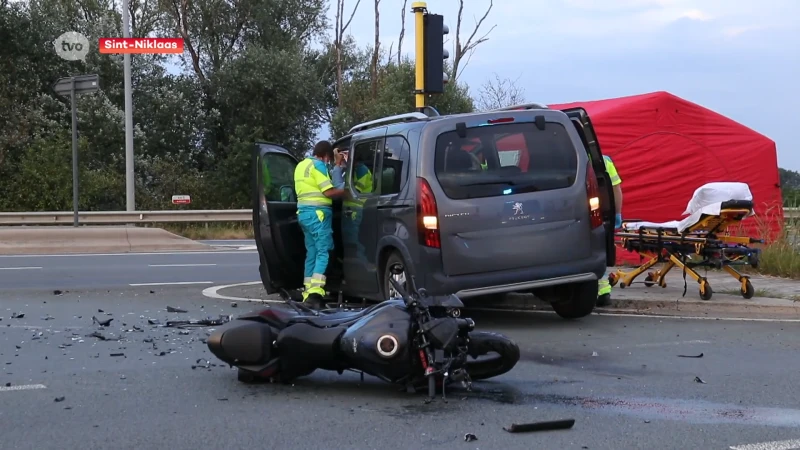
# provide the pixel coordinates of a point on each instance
(360, 342)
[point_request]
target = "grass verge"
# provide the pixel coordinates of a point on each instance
(210, 231)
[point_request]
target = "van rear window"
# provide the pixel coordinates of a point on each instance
(503, 159)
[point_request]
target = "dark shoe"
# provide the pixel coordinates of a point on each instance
(314, 301)
(603, 300)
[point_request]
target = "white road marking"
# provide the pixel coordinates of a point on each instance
(187, 252)
(179, 265)
(774, 445)
(22, 387)
(171, 283)
(649, 316)
(663, 344)
(19, 268)
(211, 292)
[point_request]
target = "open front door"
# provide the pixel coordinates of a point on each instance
(279, 238)
(580, 118)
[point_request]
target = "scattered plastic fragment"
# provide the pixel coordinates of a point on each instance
(100, 310)
(469, 437)
(103, 337)
(48, 317)
(117, 354)
(57, 292)
(223, 399)
(691, 356)
(17, 316)
(540, 426)
(698, 380)
(59, 399)
(175, 310)
(234, 305)
(102, 323)
(594, 353)
(207, 322)
(153, 321)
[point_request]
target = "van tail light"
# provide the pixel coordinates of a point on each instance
(427, 215)
(593, 193)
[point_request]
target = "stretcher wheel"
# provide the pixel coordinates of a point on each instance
(748, 291)
(612, 279)
(650, 280)
(705, 291)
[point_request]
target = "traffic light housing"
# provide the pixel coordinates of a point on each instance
(434, 53)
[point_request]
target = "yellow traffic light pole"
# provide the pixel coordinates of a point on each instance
(419, 9)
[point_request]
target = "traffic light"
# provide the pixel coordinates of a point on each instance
(434, 53)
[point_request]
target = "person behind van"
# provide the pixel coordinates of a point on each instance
(316, 186)
(604, 287)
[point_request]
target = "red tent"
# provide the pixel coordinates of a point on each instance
(665, 147)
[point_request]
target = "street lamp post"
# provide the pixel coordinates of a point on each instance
(130, 199)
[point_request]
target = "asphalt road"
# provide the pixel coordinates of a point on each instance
(65, 272)
(620, 378)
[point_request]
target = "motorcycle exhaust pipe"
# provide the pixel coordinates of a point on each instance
(387, 346)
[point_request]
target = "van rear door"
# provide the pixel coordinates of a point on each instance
(278, 235)
(511, 197)
(580, 118)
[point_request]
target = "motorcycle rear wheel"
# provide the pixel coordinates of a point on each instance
(505, 355)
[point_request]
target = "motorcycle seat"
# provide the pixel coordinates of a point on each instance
(333, 319)
(330, 320)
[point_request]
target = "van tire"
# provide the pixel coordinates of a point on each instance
(575, 300)
(393, 258)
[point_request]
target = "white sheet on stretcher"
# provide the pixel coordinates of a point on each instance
(707, 199)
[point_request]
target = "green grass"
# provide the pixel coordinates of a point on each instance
(780, 256)
(210, 231)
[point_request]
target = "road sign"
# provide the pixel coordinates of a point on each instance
(181, 199)
(71, 87)
(84, 84)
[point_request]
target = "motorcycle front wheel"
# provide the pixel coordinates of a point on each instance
(502, 354)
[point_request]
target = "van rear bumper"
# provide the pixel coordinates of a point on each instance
(472, 285)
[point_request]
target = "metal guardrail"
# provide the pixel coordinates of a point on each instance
(126, 217)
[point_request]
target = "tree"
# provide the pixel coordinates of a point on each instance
(467, 48)
(500, 93)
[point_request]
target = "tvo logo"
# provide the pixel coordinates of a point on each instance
(72, 46)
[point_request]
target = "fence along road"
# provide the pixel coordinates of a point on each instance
(128, 217)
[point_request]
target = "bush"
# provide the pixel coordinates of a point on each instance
(779, 254)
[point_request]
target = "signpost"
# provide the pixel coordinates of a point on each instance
(181, 199)
(72, 87)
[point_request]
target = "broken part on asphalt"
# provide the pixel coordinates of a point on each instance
(691, 356)
(469, 437)
(540, 426)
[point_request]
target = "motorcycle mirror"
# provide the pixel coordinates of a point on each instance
(396, 269)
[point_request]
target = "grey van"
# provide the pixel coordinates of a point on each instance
(479, 205)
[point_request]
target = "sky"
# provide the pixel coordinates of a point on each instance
(740, 58)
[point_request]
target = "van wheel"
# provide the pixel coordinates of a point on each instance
(575, 300)
(388, 290)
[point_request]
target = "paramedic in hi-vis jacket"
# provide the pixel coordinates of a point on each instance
(604, 288)
(317, 180)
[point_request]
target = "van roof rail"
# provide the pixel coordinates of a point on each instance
(407, 117)
(523, 106)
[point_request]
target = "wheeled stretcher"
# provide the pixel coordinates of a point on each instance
(702, 239)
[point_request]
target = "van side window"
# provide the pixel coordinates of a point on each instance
(277, 178)
(362, 162)
(394, 169)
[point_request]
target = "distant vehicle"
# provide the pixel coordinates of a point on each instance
(477, 205)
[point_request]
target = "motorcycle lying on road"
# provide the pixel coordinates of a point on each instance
(413, 341)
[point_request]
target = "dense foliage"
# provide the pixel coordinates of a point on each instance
(252, 70)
